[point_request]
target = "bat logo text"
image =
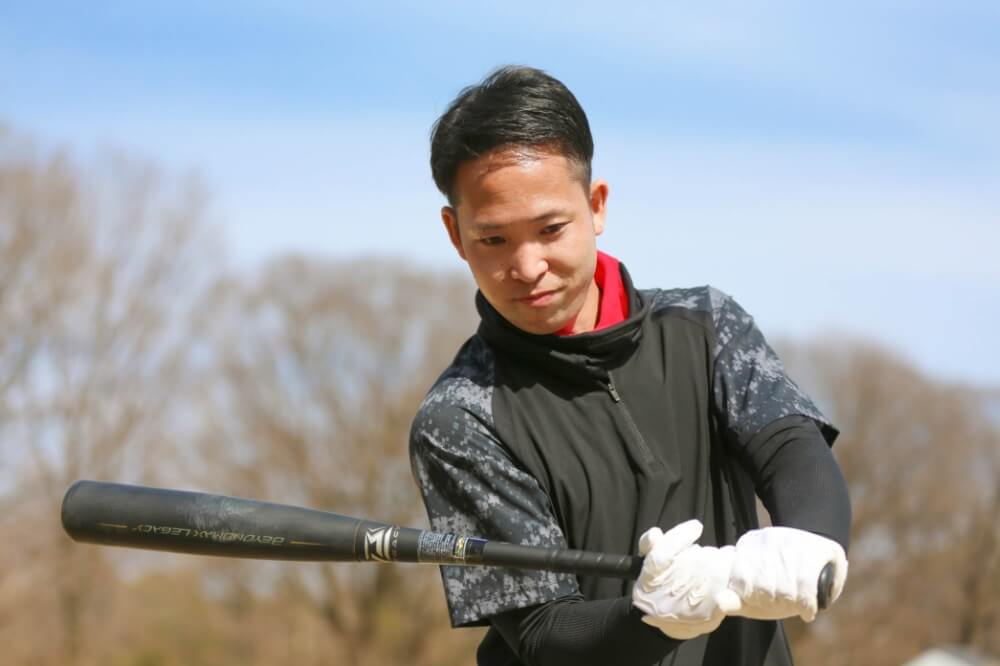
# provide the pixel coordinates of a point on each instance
(218, 536)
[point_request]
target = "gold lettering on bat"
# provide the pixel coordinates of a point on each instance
(210, 535)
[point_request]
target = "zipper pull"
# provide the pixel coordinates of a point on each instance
(613, 391)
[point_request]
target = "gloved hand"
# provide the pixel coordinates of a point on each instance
(776, 569)
(682, 587)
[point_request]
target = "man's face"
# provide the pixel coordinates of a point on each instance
(527, 228)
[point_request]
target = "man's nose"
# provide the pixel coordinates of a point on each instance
(528, 264)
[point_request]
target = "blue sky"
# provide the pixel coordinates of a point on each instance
(835, 168)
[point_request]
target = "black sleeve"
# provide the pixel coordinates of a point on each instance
(472, 486)
(798, 479)
(572, 632)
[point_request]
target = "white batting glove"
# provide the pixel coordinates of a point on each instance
(776, 569)
(682, 588)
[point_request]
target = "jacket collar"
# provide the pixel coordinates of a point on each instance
(594, 352)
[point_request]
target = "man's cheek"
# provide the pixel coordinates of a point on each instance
(496, 274)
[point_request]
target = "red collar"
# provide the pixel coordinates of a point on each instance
(613, 307)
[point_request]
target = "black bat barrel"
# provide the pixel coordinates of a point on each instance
(199, 523)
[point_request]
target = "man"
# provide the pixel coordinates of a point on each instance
(588, 414)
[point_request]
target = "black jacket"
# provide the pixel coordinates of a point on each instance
(587, 441)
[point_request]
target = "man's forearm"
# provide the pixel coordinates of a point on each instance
(798, 479)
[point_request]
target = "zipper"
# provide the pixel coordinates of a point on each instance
(612, 390)
(644, 449)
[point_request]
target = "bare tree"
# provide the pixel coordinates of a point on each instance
(97, 268)
(321, 369)
(920, 457)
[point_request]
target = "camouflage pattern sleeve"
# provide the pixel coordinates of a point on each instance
(751, 388)
(471, 486)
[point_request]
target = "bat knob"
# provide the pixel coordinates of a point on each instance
(824, 586)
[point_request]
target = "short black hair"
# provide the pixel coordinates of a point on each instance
(515, 106)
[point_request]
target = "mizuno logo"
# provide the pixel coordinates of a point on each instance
(379, 544)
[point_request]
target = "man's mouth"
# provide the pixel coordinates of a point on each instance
(538, 299)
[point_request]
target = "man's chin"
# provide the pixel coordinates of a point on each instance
(541, 326)
(537, 321)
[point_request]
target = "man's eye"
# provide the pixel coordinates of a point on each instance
(491, 240)
(554, 228)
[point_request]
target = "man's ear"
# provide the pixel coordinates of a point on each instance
(599, 204)
(450, 219)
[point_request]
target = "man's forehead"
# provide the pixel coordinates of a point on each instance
(506, 156)
(516, 184)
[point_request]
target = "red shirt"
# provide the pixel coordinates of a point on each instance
(613, 306)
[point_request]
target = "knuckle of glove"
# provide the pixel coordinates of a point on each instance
(683, 598)
(777, 568)
(673, 573)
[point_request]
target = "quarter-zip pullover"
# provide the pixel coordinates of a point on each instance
(586, 441)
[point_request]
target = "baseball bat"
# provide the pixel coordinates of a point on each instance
(115, 514)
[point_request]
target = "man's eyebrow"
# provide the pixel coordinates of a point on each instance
(486, 227)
